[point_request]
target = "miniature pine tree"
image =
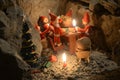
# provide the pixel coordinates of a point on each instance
(28, 48)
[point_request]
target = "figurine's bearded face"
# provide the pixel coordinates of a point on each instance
(45, 20)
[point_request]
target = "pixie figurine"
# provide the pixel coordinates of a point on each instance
(85, 21)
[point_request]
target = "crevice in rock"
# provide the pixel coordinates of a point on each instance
(81, 2)
(100, 10)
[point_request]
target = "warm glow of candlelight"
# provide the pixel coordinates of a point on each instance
(74, 22)
(64, 60)
(48, 24)
(64, 57)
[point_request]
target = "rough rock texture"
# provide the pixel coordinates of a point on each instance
(36, 8)
(112, 6)
(11, 24)
(108, 24)
(11, 64)
(11, 21)
(111, 30)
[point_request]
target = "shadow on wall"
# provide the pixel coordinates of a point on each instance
(9, 69)
(97, 34)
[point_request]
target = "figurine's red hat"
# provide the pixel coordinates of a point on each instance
(86, 18)
(53, 16)
(42, 17)
(69, 13)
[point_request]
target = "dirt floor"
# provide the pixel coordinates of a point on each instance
(111, 75)
(51, 74)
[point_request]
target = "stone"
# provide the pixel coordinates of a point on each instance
(110, 27)
(11, 63)
(39, 7)
(110, 5)
(92, 4)
(11, 22)
(5, 23)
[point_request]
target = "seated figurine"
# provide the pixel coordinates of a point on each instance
(85, 31)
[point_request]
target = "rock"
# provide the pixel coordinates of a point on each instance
(45, 70)
(110, 5)
(86, 1)
(110, 27)
(92, 4)
(104, 15)
(5, 47)
(11, 64)
(11, 21)
(37, 8)
(12, 29)
(6, 3)
(4, 23)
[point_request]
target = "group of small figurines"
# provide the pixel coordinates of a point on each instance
(47, 30)
(53, 29)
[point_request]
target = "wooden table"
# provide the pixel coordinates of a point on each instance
(71, 36)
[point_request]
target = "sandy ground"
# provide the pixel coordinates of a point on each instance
(99, 68)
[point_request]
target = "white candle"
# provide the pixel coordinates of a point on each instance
(64, 60)
(74, 24)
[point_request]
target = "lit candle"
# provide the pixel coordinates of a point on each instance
(74, 24)
(64, 60)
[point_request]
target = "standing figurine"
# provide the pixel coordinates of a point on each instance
(43, 28)
(84, 31)
(55, 21)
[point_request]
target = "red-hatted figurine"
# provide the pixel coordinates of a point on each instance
(44, 29)
(57, 29)
(69, 13)
(85, 21)
(44, 26)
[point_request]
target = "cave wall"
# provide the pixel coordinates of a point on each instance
(111, 29)
(36, 8)
(106, 17)
(12, 66)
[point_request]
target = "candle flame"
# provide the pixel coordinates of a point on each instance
(74, 22)
(64, 57)
(48, 24)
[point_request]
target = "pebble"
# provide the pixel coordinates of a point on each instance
(77, 71)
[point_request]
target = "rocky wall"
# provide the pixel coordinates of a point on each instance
(12, 66)
(36, 8)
